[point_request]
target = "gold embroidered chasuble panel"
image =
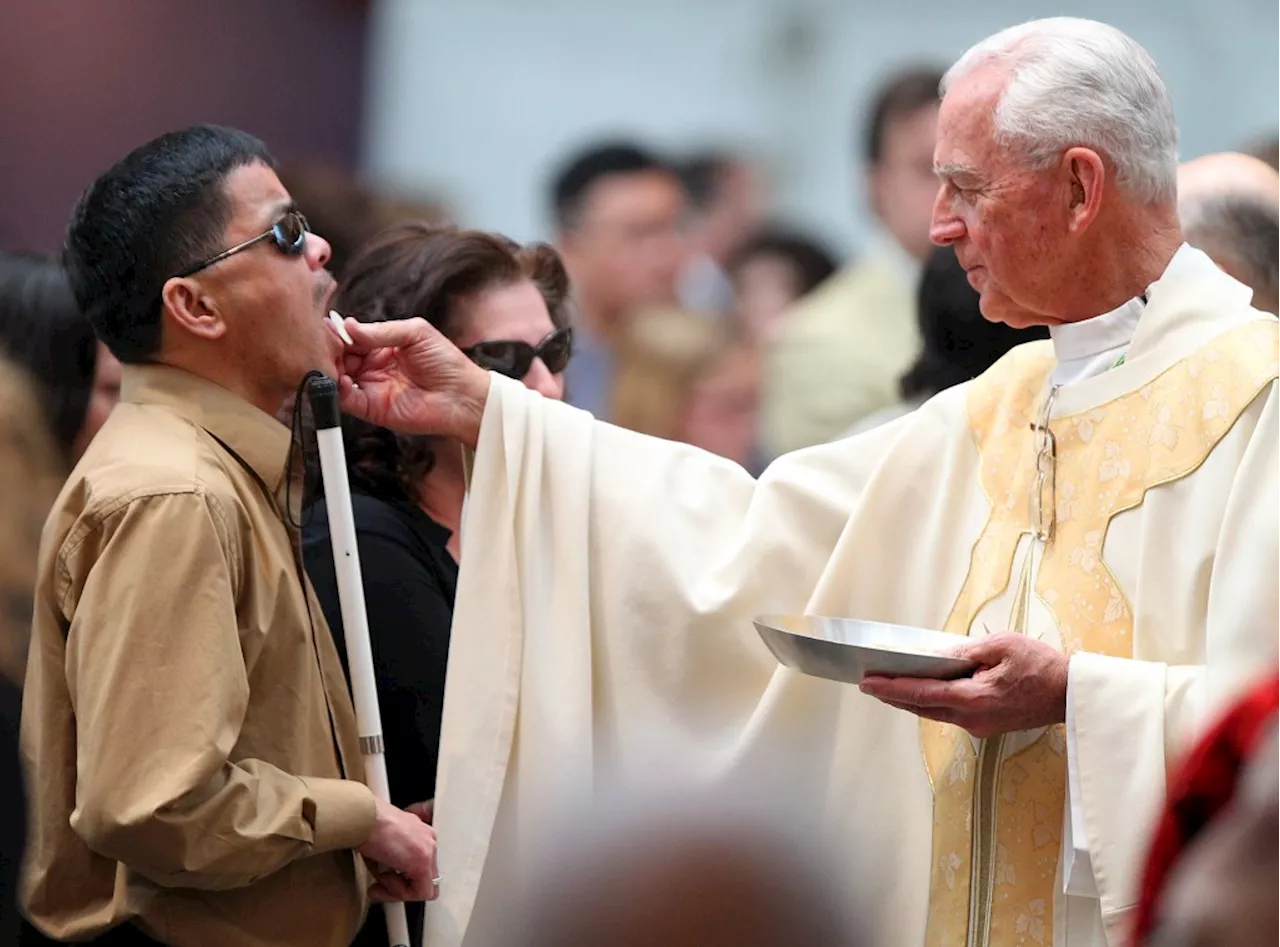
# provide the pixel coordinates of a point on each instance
(998, 807)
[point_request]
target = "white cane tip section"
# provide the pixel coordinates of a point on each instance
(343, 334)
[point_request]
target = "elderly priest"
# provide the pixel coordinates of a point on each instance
(1105, 503)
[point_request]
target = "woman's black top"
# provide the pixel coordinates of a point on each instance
(409, 585)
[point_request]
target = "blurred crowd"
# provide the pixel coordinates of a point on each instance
(697, 313)
(674, 301)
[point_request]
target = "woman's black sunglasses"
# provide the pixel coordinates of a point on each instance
(514, 359)
(289, 232)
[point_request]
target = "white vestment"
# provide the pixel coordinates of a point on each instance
(608, 583)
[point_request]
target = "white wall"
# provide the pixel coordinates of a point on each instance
(482, 98)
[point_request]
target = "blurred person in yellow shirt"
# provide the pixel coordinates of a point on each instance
(842, 348)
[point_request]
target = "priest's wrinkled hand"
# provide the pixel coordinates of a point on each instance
(404, 375)
(1021, 684)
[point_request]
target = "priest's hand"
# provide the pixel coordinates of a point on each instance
(1021, 684)
(404, 375)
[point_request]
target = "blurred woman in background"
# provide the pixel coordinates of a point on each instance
(686, 378)
(772, 270)
(43, 332)
(30, 475)
(506, 307)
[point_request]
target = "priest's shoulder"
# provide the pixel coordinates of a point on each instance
(1253, 340)
(1241, 348)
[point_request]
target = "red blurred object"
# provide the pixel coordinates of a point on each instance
(1201, 788)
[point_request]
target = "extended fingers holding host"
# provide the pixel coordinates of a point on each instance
(405, 375)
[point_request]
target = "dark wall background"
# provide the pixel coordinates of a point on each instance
(84, 81)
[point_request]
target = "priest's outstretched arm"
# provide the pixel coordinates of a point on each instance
(605, 596)
(662, 519)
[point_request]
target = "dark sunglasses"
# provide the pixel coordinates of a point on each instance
(514, 359)
(289, 232)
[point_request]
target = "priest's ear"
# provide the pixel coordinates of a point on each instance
(1085, 174)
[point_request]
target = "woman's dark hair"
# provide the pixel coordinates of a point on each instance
(422, 269)
(43, 331)
(812, 263)
(959, 342)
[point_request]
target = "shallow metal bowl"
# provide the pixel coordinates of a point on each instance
(848, 649)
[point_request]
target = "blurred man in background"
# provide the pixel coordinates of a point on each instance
(842, 350)
(727, 203)
(1266, 150)
(619, 212)
(1230, 208)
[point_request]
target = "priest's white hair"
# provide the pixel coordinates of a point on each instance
(1077, 82)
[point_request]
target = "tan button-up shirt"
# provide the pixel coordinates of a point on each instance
(186, 724)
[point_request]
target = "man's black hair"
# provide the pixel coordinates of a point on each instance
(160, 209)
(703, 175)
(570, 186)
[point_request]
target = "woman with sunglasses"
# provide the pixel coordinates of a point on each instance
(505, 306)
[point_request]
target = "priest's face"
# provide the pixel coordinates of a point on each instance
(1002, 218)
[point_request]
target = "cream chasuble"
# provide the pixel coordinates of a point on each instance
(608, 581)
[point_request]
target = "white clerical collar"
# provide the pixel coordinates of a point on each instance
(1089, 337)
(1074, 341)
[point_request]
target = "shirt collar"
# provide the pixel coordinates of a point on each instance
(1090, 337)
(255, 437)
(1110, 330)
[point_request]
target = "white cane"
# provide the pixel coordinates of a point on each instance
(323, 394)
